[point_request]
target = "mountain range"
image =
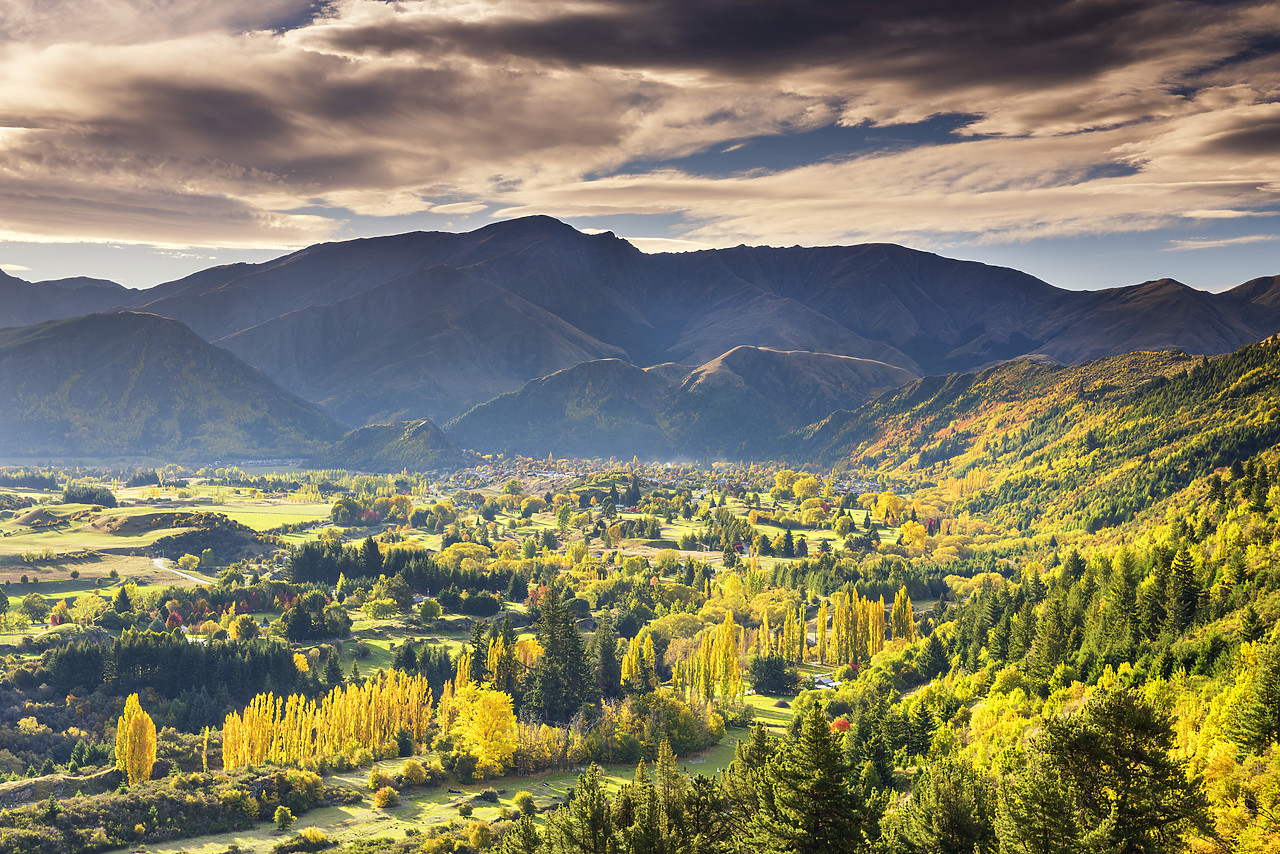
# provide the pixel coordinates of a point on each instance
(596, 345)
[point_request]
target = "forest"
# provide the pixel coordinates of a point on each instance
(920, 648)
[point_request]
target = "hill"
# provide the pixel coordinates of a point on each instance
(1029, 444)
(132, 384)
(611, 408)
(413, 446)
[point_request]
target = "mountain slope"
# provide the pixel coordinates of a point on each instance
(595, 409)
(352, 325)
(611, 408)
(1084, 446)
(412, 446)
(433, 343)
(136, 384)
(23, 303)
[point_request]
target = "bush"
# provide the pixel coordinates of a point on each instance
(480, 835)
(464, 765)
(412, 773)
(385, 798)
(465, 810)
(524, 803)
(490, 794)
(379, 779)
(308, 839)
(284, 818)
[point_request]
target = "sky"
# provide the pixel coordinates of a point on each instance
(1092, 143)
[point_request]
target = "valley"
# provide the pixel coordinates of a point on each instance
(692, 550)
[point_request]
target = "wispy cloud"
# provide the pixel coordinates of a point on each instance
(1208, 243)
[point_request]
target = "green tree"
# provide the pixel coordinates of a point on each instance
(561, 682)
(814, 808)
(34, 606)
(585, 826)
(284, 818)
(604, 654)
(522, 838)
(371, 557)
(951, 810)
(1036, 814)
(1131, 795)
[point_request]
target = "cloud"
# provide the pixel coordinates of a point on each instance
(1210, 243)
(269, 123)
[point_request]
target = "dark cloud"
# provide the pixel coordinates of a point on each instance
(1260, 138)
(1007, 42)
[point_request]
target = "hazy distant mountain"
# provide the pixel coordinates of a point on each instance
(413, 445)
(432, 343)
(130, 384)
(23, 303)
(610, 407)
(429, 324)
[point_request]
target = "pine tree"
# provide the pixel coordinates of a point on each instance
(814, 810)
(1182, 593)
(522, 838)
(585, 826)
(604, 653)
(333, 670)
(951, 810)
(561, 682)
(1131, 794)
(371, 558)
(1035, 813)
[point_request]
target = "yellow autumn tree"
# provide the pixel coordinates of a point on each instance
(485, 727)
(903, 621)
(135, 742)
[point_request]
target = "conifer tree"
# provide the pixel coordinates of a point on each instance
(561, 681)
(814, 809)
(585, 826)
(604, 654)
(522, 838)
(1182, 593)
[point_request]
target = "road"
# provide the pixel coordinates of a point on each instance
(159, 563)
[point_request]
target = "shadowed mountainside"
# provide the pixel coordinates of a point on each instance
(610, 407)
(132, 384)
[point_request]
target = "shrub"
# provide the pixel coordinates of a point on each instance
(464, 765)
(412, 773)
(465, 810)
(308, 839)
(284, 818)
(490, 794)
(480, 835)
(379, 779)
(524, 803)
(385, 798)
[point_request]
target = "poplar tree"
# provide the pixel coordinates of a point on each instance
(135, 742)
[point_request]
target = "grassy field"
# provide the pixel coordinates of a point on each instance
(421, 809)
